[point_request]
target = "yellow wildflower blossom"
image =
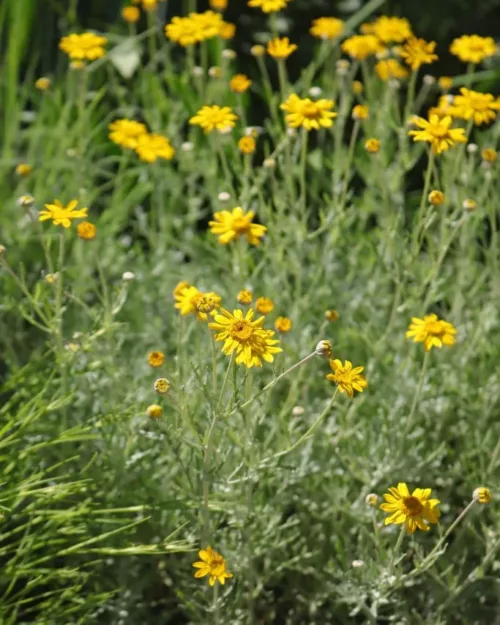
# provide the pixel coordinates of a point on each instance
(482, 495)
(245, 297)
(126, 132)
(417, 52)
(480, 107)
(473, 48)
(436, 198)
(151, 147)
(268, 6)
(212, 564)
(307, 113)
(431, 331)
(187, 301)
(438, 133)
(246, 145)
(415, 510)
(362, 46)
(390, 68)
(62, 215)
(372, 145)
(86, 230)
(280, 48)
(327, 27)
(240, 83)
(391, 29)
(131, 14)
(156, 359)
(283, 324)
(346, 378)
(230, 225)
(264, 305)
(87, 46)
(214, 117)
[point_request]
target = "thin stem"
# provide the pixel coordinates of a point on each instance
(303, 168)
(416, 397)
(350, 154)
(216, 604)
(397, 547)
(423, 201)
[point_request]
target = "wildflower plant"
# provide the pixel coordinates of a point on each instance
(316, 254)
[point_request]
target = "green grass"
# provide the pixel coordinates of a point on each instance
(102, 509)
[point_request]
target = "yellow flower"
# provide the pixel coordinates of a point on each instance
(126, 132)
(431, 331)
(227, 30)
(445, 83)
(482, 495)
(240, 83)
(268, 6)
(357, 87)
(156, 359)
(331, 315)
(469, 204)
(154, 411)
(207, 303)
(23, 169)
(390, 68)
(257, 50)
(489, 155)
(43, 83)
(62, 215)
(481, 107)
(417, 52)
(246, 145)
(86, 46)
(360, 111)
(443, 109)
(180, 286)
(251, 342)
(362, 46)
(264, 305)
(245, 297)
(86, 230)
(151, 147)
(308, 114)
(327, 27)
(209, 24)
(436, 198)
(280, 48)
(183, 30)
(473, 48)
(346, 378)
(147, 5)
(220, 5)
(230, 225)
(131, 14)
(188, 298)
(391, 29)
(162, 386)
(372, 145)
(214, 117)
(415, 510)
(438, 133)
(212, 564)
(283, 324)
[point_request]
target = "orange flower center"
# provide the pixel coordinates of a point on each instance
(241, 330)
(412, 506)
(240, 224)
(310, 111)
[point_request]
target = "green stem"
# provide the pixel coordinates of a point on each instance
(303, 168)
(416, 397)
(350, 154)
(397, 547)
(423, 200)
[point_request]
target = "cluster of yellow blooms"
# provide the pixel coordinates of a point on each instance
(134, 135)
(198, 27)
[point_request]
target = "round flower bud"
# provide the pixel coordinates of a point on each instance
(331, 315)
(131, 14)
(357, 87)
(228, 54)
(324, 349)
(245, 297)
(154, 411)
(445, 83)
(372, 145)
(482, 495)
(489, 155)
(269, 163)
(86, 230)
(298, 410)
(469, 204)
(371, 499)
(360, 111)
(283, 324)
(2, 250)
(429, 80)
(128, 276)
(472, 148)
(436, 198)
(356, 564)
(187, 146)
(224, 196)
(315, 92)
(264, 305)
(197, 71)
(156, 359)
(162, 386)
(257, 50)
(23, 169)
(246, 145)
(42, 83)
(26, 201)
(51, 278)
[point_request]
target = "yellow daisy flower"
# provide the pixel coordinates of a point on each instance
(481, 107)
(87, 46)
(240, 83)
(431, 331)
(391, 29)
(283, 324)
(307, 113)
(360, 111)
(436, 197)
(417, 52)
(246, 145)
(43, 83)
(346, 378)
(212, 564)
(264, 305)
(230, 225)
(327, 28)
(415, 510)
(62, 215)
(268, 6)
(390, 68)
(362, 46)
(438, 133)
(126, 132)
(156, 359)
(214, 117)
(251, 342)
(151, 147)
(187, 300)
(473, 48)
(154, 411)
(183, 31)
(280, 48)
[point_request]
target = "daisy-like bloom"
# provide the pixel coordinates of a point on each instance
(162, 386)
(481, 107)
(473, 48)
(240, 83)
(227, 30)
(126, 132)
(436, 198)
(213, 564)
(209, 24)
(283, 324)
(307, 113)
(489, 155)
(214, 117)
(444, 108)
(482, 495)
(280, 48)
(360, 111)
(331, 315)
(86, 230)
(346, 378)
(251, 342)
(246, 145)
(264, 305)
(156, 359)
(62, 215)
(415, 510)
(154, 411)
(182, 30)
(431, 331)
(188, 299)
(43, 83)
(131, 14)
(84, 47)
(391, 29)
(418, 52)
(327, 28)
(390, 68)
(23, 169)
(372, 145)
(268, 6)
(151, 147)
(245, 297)
(362, 46)
(230, 225)
(445, 83)
(438, 133)
(357, 87)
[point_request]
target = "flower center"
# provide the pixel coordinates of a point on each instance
(310, 110)
(241, 330)
(412, 506)
(438, 131)
(434, 328)
(240, 224)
